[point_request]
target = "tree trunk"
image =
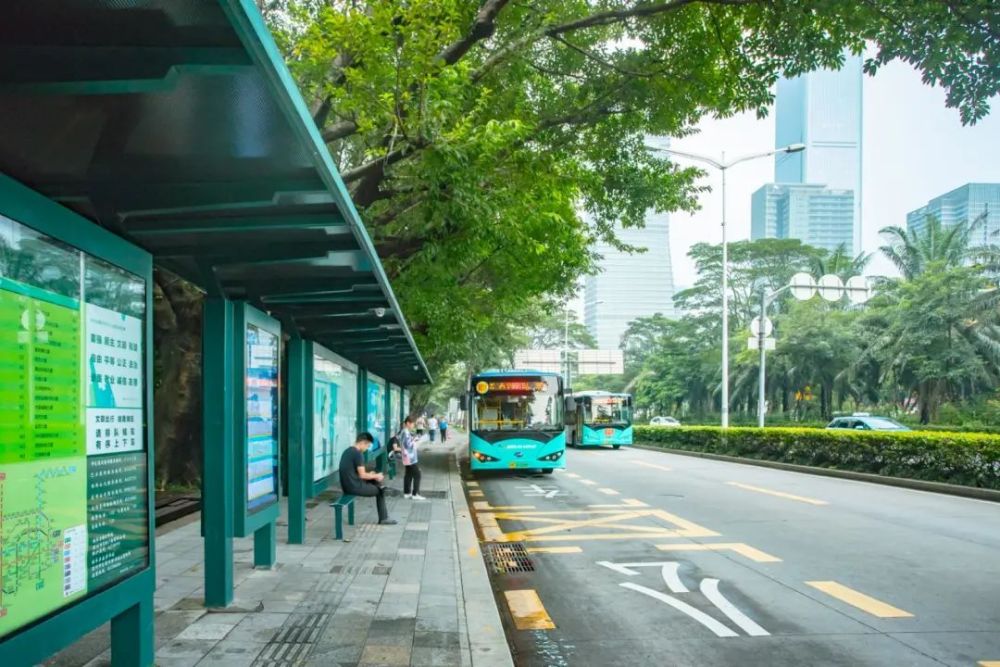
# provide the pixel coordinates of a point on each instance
(177, 417)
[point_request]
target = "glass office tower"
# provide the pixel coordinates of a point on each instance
(819, 216)
(963, 205)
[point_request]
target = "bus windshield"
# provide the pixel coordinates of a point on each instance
(516, 404)
(610, 410)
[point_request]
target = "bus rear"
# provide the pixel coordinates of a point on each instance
(516, 421)
(602, 419)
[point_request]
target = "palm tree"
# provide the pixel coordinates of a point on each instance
(913, 251)
(840, 263)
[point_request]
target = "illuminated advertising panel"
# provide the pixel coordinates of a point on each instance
(335, 408)
(376, 409)
(262, 417)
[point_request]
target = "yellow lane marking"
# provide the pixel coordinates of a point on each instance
(484, 506)
(473, 551)
(488, 524)
(572, 475)
(744, 550)
(618, 520)
(609, 492)
(652, 465)
(779, 494)
(476, 484)
(628, 502)
(527, 610)
(554, 550)
(859, 600)
(588, 482)
(476, 493)
(989, 663)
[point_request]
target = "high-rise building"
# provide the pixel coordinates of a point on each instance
(630, 285)
(817, 215)
(823, 110)
(964, 205)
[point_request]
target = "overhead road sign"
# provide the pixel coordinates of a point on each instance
(175, 124)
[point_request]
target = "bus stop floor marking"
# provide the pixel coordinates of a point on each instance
(554, 550)
(484, 506)
(860, 600)
(744, 550)
(627, 503)
(653, 465)
(607, 519)
(778, 494)
(527, 610)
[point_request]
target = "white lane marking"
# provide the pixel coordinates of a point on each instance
(669, 570)
(719, 629)
(710, 588)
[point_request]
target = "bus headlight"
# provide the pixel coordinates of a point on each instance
(483, 458)
(554, 456)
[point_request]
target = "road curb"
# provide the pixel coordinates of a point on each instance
(900, 482)
(487, 639)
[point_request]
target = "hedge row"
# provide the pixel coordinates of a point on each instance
(969, 459)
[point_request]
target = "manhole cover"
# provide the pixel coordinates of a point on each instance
(507, 557)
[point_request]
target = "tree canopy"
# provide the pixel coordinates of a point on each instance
(488, 144)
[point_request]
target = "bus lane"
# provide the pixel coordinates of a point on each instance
(626, 578)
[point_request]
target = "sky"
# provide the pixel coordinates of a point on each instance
(914, 148)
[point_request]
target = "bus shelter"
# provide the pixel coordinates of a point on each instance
(168, 133)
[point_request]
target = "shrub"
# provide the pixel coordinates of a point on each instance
(969, 459)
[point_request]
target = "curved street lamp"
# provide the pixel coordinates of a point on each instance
(722, 165)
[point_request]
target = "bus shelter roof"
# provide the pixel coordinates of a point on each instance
(175, 124)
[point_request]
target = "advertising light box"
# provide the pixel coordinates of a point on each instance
(73, 477)
(335, 409)
(262, 401)
(376, 409)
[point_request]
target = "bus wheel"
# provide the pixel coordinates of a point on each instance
(617, 446)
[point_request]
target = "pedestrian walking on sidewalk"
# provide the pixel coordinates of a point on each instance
(432, 427)
(411, 465)
(421, 425)
(355, 479)
(443, 425)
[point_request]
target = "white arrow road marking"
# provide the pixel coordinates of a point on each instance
(670, 571)
(715, 626)
(535, 490)
(710, 587)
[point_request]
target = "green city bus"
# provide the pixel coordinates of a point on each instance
(599, 418)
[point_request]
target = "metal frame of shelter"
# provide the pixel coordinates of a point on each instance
(175, 126)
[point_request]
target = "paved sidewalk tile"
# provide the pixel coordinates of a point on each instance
(389, 595)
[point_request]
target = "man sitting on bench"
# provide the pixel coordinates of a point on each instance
(355, 480)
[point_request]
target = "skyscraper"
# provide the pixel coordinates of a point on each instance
(817, 215)
(963, 205)
(823, 110)
(630, 285)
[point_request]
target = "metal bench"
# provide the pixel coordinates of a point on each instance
(338, 505)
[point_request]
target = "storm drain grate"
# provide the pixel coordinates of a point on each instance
(507, 557)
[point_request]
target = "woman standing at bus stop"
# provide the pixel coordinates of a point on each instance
(411, 466)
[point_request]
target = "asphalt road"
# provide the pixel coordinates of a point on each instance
(648, 558)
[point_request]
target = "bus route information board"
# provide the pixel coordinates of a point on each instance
(73, 478)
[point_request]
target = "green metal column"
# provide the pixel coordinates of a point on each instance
(132, 632)
(299, 361)
(383, 464)
(265, 546)
(217, 491)
(363, 401)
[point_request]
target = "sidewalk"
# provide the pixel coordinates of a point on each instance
(412, 594)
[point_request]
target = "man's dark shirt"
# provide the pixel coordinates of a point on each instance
(350, 460)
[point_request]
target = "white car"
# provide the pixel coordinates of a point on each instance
(664, 421)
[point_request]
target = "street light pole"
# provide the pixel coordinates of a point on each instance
(566, 347)
(724, 166)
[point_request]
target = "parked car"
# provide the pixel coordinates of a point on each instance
(865, 422)
(664, 421)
